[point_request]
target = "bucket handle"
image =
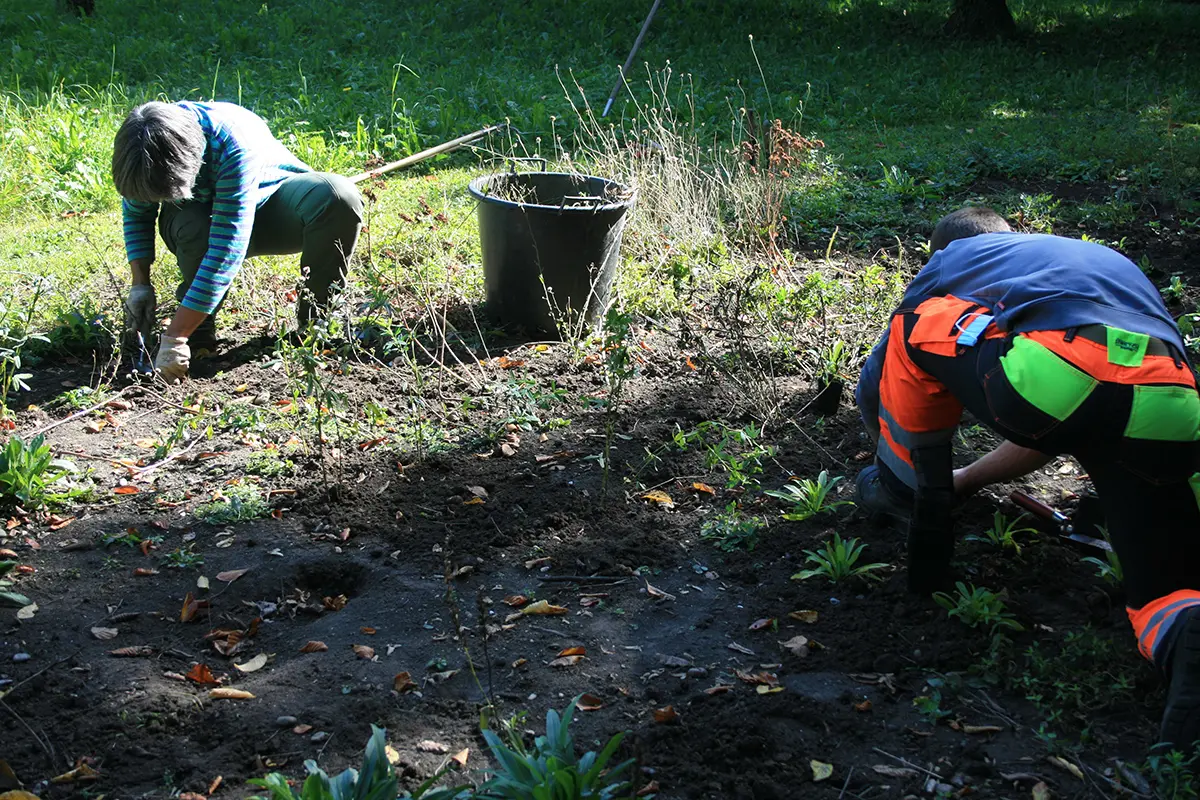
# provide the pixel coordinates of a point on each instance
(581, 199)
(512, 161)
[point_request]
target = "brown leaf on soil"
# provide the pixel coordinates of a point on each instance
(13, 522)
(362, 651)
(82, 772)
(369, 631)
(144, 545)
(759, 624)
(58, 523)
(504, 362)
(126, 490)
(104, 634)
(145, 572)
(651, 787)
(762, 678)
(6, 553)
(660, 497)
(277, 514)
(1062, 763)
(94, 425)
(367, 445)
(302, 729)
(133, 651)
(738, 648)
(231, 646)
(461, 756)
(704, 488)
(190, 607)
(537, 562)
(253, 665)
(863, 707)
(216, 783)
(543, 607)
(573, 651)
(229, 576)
(225, 693)
(430, 746)
(186, 796)
(516, 600)
(720, 688)
(520, 662)
(657, 593)
(335, 603)
(566, 661)
(590, 702)
(666, 715)
(202, 675)
(314, 647)
(809, 617)
(797, 646)
(403, 682)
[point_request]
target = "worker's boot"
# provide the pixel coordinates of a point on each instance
(875, 497)
(1181, 659)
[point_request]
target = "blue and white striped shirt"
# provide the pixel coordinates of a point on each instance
(243, 166)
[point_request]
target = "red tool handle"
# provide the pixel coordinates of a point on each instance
(1036, 507)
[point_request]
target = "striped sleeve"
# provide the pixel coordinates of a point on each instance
(138, 219)
(234, 200)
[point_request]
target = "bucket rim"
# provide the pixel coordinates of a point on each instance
(475, 187)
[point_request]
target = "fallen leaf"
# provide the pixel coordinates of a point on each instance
(737, 647)
(314, 647)
(369, 631)
(105, 633)
(1062, 763)
(658, 594)
(94, 426)
(58, 523)
(504, 362)
(474, 501)
(660, 497)
(762, 678)
(1040, 791)
(253, 665)
(82, 772)
(461, 756)
(589, 702)
(17, 794)
(649, 789)
(666, 715)
(673, 661)
(720, 688)
(202, 675)
(362, 651)
(804, 616)
(403, 682)
(543, 607)
(202, 583)
(189, 796)
(27, 612)
(146, 444)
(6, 553)
(768, 689)
(430, 746)
(797, 646)
(216, 783)
(981, 729)
(863, 707)
(231, 575)
(520, 662)
(126, 490)
(26, 569)
(573, 651)
(277, 514)
(530, 564)
(704, 488)
(145, 572)
(516, 600)
(566, 661)
(478, 491)
(225, 693)
(820, 770)
(190, 607)
(302, 729)
(588, 602)
(894, 772)
(335, 603)
(134, 651)
(758, 625)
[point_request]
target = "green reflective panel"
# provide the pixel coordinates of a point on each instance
(1165, 414)
(1125, 348)
(1044, 379)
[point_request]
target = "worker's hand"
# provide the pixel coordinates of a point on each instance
(142, 306)
(174, 355)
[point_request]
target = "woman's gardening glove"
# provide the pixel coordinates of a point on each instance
(141, 306)
(174, 355)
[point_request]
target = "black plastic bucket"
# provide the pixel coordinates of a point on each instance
(551, 242)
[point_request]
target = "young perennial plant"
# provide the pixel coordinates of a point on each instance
(837, 561)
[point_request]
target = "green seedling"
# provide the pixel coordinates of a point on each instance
(27, 471)
(1109, 570)
(182, 558)
(268, 464)
(809, 498)
(929, 706)
(976, 607)
(241, 502)
(1003, 532)
(732, 530)
(837, 561)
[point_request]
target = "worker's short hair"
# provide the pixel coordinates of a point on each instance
(157, 153)
(965, 223)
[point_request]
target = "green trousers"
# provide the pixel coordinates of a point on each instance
(315, 214)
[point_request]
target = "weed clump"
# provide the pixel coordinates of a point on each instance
(238, 503)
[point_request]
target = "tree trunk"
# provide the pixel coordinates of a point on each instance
(980, 19)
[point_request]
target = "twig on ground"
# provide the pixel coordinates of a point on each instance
(909, 764)
(582, 579)
(846, 784)
(45, 744)
(88, 457)
(144, 471)
(51, 426)
(193, 411)
(47, 668)
(553, 632)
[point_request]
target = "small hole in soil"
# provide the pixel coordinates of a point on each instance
(330, 577)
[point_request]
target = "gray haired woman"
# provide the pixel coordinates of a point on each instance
(222, 188)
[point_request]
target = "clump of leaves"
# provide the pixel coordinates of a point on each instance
(837, 561)
(976, 606)
(809, 498)
(238, 503)
(8, 598)
(27, 471)
(1003, 532)
(1109, 570)
(269, 465)
(831, 362)
(732, 530)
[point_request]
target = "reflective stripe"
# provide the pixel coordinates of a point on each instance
(911, 440)
(1153, 620)
(975, 328)
(895, 457)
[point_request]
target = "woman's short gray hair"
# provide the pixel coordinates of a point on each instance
(157, 153)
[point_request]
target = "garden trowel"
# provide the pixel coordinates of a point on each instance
(1066, 525)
